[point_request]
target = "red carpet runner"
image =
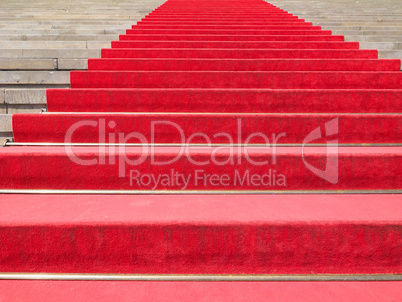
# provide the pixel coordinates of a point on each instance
(212, 97)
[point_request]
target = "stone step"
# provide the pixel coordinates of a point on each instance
(72, 34)
(43, 64)
(34, 77)
(63, 32)
(352, 18)
(365, 28)
(76, 27)
(53, 44)
(97, 22)
(6, 131)
(43, 15)
(367, 32)
(381, 45)
(37, 21)
(20, 100)
(28, 64)
(374, 26)
(19, 96)
(6, 123)
(49, 24)
(42, 44)
(50, 53)
(374, 38)
(60, 37)
(25, 108)
(72, 64)
(390, 54)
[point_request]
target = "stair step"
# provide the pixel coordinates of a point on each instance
(42, 44)
(34, 77)
(236, 79)
(228, 22)
(299, 26)
(278, 31)
(72, 31)
(236, 44)
(244, 38)
(281, 168)
(61, 37)
(238, 53)
(179, 291)
(210, 69)
(374, 38)
(382, 45)
(49, 53)
(178, 128)
(72, 64)
(175, 234)
(227, 18)
(225, 100)
(5, 123)
(28, 64)
(390, 54)
(367, 32)
(245, 64)
(25, 96)
(222, 13)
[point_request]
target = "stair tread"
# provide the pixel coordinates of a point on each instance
(199, 209)
(199, 291)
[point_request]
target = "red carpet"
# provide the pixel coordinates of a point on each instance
(219, 37)
(283, 168)
(241, 53)
(236, 79)
(212, 72)
(245, 64)
(282, 234)
(353, 128)
(106, 291)
(226, 100)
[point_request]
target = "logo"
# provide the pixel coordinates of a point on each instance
(331, 171)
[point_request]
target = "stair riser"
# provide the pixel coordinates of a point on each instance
(229, 38)
(224, 11)
(122, 168)
(274, 80)
(199, 100)
(302, 26)
(352, 129)
(240, 53)
(221, 13)
(224, 14)
(182, 291)
(227, 18)
(303, 31)
(234, 44)
(247, 22)
(202, 249)
(243, 65)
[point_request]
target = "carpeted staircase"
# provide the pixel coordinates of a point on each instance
(215, 141)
